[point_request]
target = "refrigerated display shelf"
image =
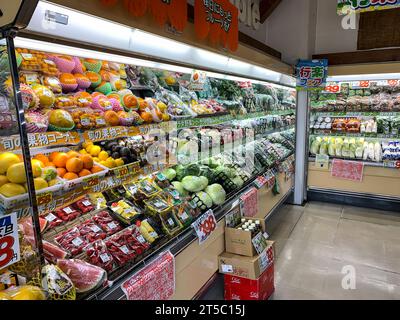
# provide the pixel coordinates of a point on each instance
(178, 243)
(356, 135)
(383, 164)
(354, 114)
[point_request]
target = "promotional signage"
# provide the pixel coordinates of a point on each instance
(172, 11)
(197, 80)
(9, 241)
(156, 281)
(205, 226)
(322, 161)
(347, 6)
(248, 203)
(311, 74)
(348, 170)
(249, 12)
(218, 21)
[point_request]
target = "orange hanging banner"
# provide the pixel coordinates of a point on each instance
(137, 8)
(219, 21)
(174, 11)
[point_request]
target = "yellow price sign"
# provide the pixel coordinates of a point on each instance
(90, 182)
(44, 198)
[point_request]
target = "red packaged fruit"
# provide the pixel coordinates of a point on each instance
(98, 255)
(106, 222)
(72, 241)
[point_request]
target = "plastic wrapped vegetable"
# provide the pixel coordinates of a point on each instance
(315, 146)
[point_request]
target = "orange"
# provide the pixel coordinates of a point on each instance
(87, 161)
(72, 154)
(74, 165)
(50, 164)
(61, 172)
(96, 169)
(42, 158)
(60, 160)
(84, 172)
(53, 155)
(147, 117)
(111, 118)
(70, 176)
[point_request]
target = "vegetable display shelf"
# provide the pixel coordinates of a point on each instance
(384, 164)
(355, 114)
(179, 242)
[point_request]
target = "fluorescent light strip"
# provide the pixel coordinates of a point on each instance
(86, 53)
(362, 77)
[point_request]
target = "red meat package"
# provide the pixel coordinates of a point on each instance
(124, 246)
(106, 222)
(99, 255)
(84, 205)
(67, 213)
(91, 231)
(52, 220)
(72, 241)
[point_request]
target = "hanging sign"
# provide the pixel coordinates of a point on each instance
(249, 204)
(156, 281)
(347, 6)
(197, 80)
(163, 11)
(9, 241)
(311, 74)
(348, 170)
(205, 226)
(218, 20)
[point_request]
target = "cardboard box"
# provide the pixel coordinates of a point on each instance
(238, 288)
(246, 267)
(239, 241)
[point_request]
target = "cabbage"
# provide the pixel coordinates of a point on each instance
(180, 172)
(169, 173)
(230, 172)
(205, 198)
(207, 172)
(238, 181)
(331, 149)
(194, 184)
(315, 146)
(179, 187)
(359, 152)
(217, 193)
(323, 148)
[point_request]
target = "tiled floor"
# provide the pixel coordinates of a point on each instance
(321, 245)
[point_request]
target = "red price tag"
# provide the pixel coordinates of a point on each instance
(44, 198)
(205, 226)
(392, 83)
(123, 172)
(9, 241)
(364, 84)
(333, 88)
(6, 251)
(90, 182)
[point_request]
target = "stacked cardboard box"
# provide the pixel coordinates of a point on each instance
(247, 274)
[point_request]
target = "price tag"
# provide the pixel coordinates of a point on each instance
(226, 268)
(124, 249)
(9, 240)
(322, 161)
(68, 210)
(52, 63)
(105, 257)
(90, 182)
(86, 203)
(44, 198)
(122, 172)
(50, 217)
(205, 226)
(141, 239)
(27, 56)
(77, 242)
(112, 225)
(171, 222)
(95, 228)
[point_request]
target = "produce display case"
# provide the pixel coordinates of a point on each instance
(125, 157)
(356, 120)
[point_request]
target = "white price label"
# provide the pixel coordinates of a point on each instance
(50, 217)
(124, 249)
(227, 268)
(86, 203)
(49, 62)
(171, 222)
(68, 210)
(105, 257)
(141, 239)
(95, 228)
(27, 56)
(112, 225)
(77, 242)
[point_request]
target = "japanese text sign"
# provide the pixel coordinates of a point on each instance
(249, 203)
(348, 170)
(156, 281)
(219, 21)
(205, 226)
(347, 6)
(9, 241)
(311, 74)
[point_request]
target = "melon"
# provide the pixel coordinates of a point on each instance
(52, 252)
(85, 276)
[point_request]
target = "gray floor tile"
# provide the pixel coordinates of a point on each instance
(371, 215)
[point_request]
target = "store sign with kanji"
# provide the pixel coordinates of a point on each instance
(311, 74)
(9, 241)
(347, 170)
(347, 6)
(217, 20)
(173, 12)
(205, 226)
(156, 281)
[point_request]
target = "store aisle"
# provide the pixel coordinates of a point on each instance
(314, 243)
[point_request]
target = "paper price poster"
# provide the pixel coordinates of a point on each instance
(9, 240)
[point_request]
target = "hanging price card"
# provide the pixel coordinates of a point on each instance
(205, 226)
(9, 241)
(90, 182)
(44, 198)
